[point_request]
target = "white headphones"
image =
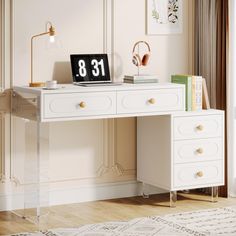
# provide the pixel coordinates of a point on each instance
(137, 60)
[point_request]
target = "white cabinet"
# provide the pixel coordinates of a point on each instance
(152, 100)
(79, 104)
(181, 151)
(195, 127)
(198, 150)
(194, 175)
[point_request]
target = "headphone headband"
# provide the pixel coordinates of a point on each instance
(144, 42)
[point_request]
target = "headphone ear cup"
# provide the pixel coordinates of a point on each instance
(145, 59)
(137, 60)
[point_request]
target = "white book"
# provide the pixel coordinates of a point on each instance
(198, 93)
(140, 81)
(140, 77)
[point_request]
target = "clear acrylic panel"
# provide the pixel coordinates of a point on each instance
(173, 198)
(30, 161)
(214, 194)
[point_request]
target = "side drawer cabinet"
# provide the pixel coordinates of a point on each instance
(181, 151)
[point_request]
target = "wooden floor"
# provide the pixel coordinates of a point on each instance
(110, 210)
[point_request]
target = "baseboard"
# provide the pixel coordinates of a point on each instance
(80, 194)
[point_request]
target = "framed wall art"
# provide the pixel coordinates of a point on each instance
(164, 17)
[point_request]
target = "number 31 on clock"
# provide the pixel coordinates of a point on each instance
(97, 68)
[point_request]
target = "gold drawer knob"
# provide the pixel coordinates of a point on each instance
(200, 127)
(199, 174)
(152, 101)
(200, 151)
(82, 104)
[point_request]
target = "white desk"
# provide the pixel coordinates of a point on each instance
(176, 150)
(79, 103)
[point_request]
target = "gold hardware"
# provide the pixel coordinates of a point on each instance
(199, 174)
(200, 150)
(82, 104)
(37, 84)
(152, 101)
(50, 30)
(200, 127)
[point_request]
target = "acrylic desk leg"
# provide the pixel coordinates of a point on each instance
(144, 190)
(36, 199)
(214, 194)
(38, 155)
(173, 198)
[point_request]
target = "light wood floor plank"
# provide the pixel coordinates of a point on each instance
(74, 215)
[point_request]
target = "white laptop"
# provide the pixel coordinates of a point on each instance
(91, 70)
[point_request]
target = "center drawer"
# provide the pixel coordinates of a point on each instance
(79, 104)
(150, 100)
(198, 150)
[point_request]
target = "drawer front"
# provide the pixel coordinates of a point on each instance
(79, 104)
(198, 150)
(150, 100)
(198, 127)
(197, 174)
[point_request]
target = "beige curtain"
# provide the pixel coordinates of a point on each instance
(210, 47)
(210, 51)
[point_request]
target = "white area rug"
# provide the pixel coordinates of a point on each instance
(219, 221)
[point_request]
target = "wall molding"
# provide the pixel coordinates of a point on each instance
(2, 139)
(5, 81)
(191, 36)
(2, 169)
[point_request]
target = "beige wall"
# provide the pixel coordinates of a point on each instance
(99, 151)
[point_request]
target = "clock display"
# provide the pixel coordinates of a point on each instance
(90, 67)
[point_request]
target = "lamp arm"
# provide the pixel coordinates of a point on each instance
(51, 32)
(32, 53)
(37, 35)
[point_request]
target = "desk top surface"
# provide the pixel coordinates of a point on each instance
(70, 88)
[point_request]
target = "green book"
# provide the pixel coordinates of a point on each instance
(187, 81)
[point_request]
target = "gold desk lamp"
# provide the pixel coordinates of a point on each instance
(50, 30)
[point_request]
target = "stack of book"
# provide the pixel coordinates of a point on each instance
(194, 88)
(140, 79)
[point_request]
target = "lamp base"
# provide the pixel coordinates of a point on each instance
(37, 84)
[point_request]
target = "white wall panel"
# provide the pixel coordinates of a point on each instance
(169, 53)
(78, 152)
(79, 27)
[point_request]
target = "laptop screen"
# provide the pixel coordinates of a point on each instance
(90, 68)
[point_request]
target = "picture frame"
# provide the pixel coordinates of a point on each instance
(164, 17)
